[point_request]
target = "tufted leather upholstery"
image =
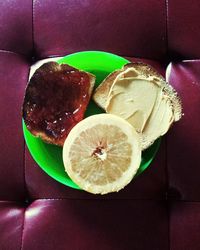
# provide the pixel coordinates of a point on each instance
(160, 209)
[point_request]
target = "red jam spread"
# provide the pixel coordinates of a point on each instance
(55, 100)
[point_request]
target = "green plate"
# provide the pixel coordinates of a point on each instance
(49, 157)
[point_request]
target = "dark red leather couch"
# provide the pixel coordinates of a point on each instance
(160, 209)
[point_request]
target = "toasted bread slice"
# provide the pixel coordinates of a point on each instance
(55, 100)
(158, 113)
(141, 69)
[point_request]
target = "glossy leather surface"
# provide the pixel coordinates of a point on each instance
(160, 208)
(100, 25)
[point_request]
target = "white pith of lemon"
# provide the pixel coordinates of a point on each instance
(102, 153)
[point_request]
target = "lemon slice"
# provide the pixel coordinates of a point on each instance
(102, 153)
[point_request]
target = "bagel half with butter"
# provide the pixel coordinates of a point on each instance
(140, 95)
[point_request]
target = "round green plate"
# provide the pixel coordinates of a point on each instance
(49, 157)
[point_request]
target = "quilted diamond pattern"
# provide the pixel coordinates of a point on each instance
(160, 208)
